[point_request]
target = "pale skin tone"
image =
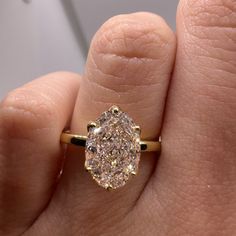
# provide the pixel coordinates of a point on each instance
(182, 86)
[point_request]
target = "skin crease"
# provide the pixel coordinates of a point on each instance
(185, 93)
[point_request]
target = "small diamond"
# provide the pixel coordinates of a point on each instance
(113, 149)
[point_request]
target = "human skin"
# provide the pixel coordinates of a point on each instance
(181, 86)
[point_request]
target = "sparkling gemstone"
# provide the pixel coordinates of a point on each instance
(113, 149)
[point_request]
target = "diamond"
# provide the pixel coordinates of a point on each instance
(113, 149)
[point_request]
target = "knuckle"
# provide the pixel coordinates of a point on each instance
(131, 37)
(24, 111)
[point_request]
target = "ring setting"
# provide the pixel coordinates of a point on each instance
(112, 148)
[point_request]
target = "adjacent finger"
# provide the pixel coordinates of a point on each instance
(31, 120)
(197, 170)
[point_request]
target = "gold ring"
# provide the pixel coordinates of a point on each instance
(112, 147)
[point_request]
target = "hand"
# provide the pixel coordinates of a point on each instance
(189, 190)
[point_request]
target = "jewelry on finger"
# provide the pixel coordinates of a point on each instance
(112, 147)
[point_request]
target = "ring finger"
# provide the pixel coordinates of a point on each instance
(129, 64)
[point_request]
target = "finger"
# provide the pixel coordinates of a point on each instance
(197, 170)
(129, 64)
(31, 120)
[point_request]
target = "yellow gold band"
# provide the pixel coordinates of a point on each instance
(80, 140)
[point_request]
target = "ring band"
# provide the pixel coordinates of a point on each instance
(80, 140)
(112, 148)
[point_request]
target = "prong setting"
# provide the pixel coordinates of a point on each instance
(108, 188)
(115, 109)
(137, 129)
(87, 169)
(91, 125)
